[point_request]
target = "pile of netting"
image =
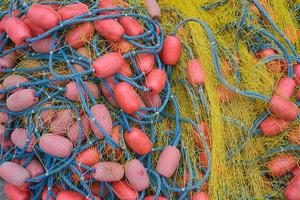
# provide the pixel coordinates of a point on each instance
(249, 52)
(113, 99)
(88, 109)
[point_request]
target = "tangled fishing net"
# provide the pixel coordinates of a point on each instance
(114, 100)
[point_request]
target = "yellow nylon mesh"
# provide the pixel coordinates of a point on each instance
(241, 176)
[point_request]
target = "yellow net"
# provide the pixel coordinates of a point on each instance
(238, 157)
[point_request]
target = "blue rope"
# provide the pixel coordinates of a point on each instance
(62, 57)
(216, 61)
(214, 5)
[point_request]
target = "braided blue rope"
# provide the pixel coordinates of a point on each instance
(266, 15)
(150, 42)
(207, 151)
(216, 61)
(214, 5)
(203, 98)
(191, 93)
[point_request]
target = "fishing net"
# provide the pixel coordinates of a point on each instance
(227, 37)
(239, 153)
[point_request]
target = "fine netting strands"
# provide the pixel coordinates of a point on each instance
(107, 102)
(91, 110)
(242, 30)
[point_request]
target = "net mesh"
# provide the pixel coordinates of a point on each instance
(239, 157)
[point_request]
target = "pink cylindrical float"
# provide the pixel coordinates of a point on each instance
(273, 65)
(111, 83)
(16, 30)
(74, 131)
(72, 10)
(292, 191)
(131, 26)
(42, 46)
(285, 88)
(205, 130)
(102, 116)
(108, 171)
(296, 171)
(151, 100)
(272, 126)
(127, 98)
(296, 70)
(8, 61)
(158, 31)
(88, 157)
(68, 195)
(138, 141)
(15, 13)
(13, 192)
(47, 115)
(298, 95)
(109, 29)
(171, 50)
(54, 6)
(195, 72)
(62, 122)
(24, 187)
(21, 100)
(72, 91)
(35, 168)
(108, 4)
(2, 130)
(136, 175)
(93, 88)
(7, 143)
(153, 8)
(123, 46)
(281, 165)
(203, 159)
(43, 16)
(126, 70)
(266, 53)
(56, 145)
(200, 196)
(108, 64)
(13, 173)
(156, 80)
(168, 161)
(276, 66)
(145, 62)
(124, 191)
(14, 80)
(144, 112)
(283, 108)
(34, 29)
(19, 138)
(80, 35)
(3, 118)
